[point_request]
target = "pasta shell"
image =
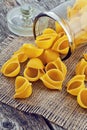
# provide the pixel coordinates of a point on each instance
(45, 41)
(33, 74)
(57, 64)
(21, 81)
(82, 98)
(50, 55)
(53, 79)
(11, 68)
(61, 45)
(76, 84)
(81, 68)
(35, 63)
(31, 50)
(22, 57)
(23, 88)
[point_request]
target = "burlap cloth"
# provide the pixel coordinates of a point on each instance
(57, 106)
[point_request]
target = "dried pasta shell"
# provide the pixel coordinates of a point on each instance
(23, 87)
(58, 28)
(76, 84)
(81, 68)
(31, 50)
(53, 79)
(22, 57)
(82, 98)
(57, 64)
(45, 41)
(50, 55)
(11, 68)
(61, 45)
(35, 63)
(21, 81)
(33, 74)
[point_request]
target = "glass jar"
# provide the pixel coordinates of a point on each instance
(72, 17)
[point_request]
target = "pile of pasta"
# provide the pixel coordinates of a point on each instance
(76, 86)
(43, 62)
(77, 20)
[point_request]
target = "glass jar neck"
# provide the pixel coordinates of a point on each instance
(63, 23)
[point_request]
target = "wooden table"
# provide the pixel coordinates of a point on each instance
(11, 118)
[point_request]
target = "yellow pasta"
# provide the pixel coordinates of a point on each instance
(61, 45)
(82, 98)
(50, 55)
(58, 28)
(42, 58)
(57, 64)
(85, 56)
(23, 89)
(48, 31)
(79, 4)
(53, 79)
(33, 74)
(45, 41)
(22, 57)
(11, 68)
(35, 63)
(71, 12)
(31, 50)
(81, 68)
(34, 69)
(76, 84)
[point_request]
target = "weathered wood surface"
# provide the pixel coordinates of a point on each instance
(10, 118)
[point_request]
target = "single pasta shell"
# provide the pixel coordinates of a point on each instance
(35, 63)
(33, 74)
(31, 50)
(57, 64)
(11, 68)
(82, 98)
(76, 84)
(21, 83)
(24, 94)
(61, 45)
(45, 41)
(54, 77)
(81, 68)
